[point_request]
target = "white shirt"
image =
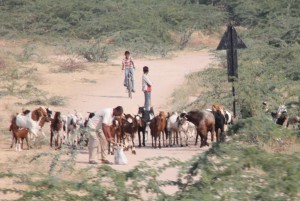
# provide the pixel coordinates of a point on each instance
(145, 81)
(105, 116)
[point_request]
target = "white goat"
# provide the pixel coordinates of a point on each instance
(228, 120)
(25, 121)
(187, 128)
(72, 124)
(172, 127)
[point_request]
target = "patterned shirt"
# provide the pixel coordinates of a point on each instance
(128, 63)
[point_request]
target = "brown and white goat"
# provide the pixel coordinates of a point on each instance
(18, 135)
(56, 129)
(129, 128)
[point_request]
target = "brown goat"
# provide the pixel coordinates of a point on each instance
(115, 130)
(18, 135)
(157, 126)
(204, 122)
(293, 121)
(56, 129)
(219, 114)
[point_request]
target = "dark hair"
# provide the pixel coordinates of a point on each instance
(119, 109)
(127, 52)
(145, 69)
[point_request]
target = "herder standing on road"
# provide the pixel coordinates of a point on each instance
(100, 135)
(129, 67)
(146, 88)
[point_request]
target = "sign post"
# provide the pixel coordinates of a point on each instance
(231, 42)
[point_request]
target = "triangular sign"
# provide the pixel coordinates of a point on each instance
(231, 40)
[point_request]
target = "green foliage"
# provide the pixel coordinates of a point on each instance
(268, 68)
(234, 171)
(15, 80)
(91, 52)
(143, 26)
(260, 130)
(240, 169)
(228, 171)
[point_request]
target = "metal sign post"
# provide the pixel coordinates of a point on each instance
(231, 42)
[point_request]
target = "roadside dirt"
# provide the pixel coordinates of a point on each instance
(99, 87)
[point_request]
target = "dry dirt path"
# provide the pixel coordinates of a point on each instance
(166, 74)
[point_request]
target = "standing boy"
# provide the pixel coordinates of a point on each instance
(146, 88)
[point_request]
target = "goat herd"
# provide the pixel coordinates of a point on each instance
(71, 129)
(170, 128)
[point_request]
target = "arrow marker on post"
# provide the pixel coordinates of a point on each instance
(231, 42)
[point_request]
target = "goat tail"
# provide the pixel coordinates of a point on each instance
(13, 123)
(13, 116)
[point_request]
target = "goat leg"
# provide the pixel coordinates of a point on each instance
(180, 138)
(196, 141)
(144, 135)
(27, 142)
(139, 136)
(163, 138)
(13, 140)
(51, 137)
(170, 138)
(133, 146)
(186, 138)
(159, 141)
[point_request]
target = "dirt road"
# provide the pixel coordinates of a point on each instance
(108, 91)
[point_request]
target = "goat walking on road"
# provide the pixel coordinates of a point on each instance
(172, 129)
(18, 136)
(128, 130)
(31, 120)
(157, 126)
(56, 130)
(186, 130)
(146, 117)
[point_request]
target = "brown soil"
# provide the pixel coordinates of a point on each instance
(100, 86)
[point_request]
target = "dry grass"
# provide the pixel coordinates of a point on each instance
(2, 64)
(70, 65)
(288, 145)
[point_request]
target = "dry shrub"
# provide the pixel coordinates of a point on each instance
(57, 101)
(2, 64)
(282, 144)
(71, 65)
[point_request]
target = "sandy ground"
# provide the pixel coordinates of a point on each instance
(108, 91)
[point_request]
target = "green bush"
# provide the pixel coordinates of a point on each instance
(140, 25)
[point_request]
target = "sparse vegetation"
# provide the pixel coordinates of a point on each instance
(253, 165)
(57, 101)
(70, 65)
(53, 101)
(85, 80)
(142, 26)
